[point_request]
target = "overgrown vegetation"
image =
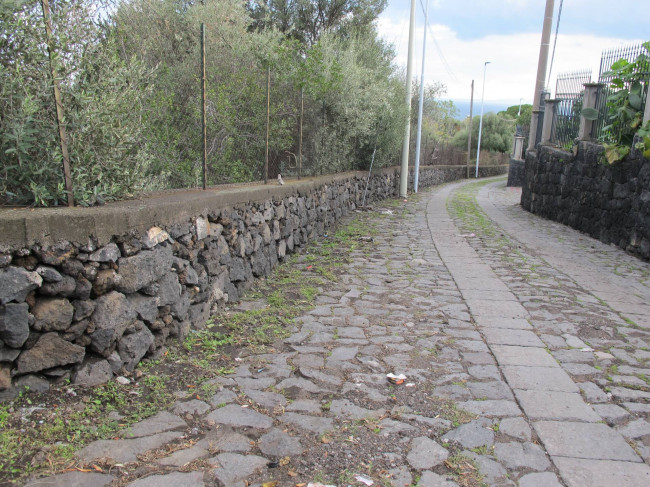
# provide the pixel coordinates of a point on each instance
(496, 136)
(130, 79)
(625, 108)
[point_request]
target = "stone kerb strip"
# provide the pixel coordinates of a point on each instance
(569, 428)
(86, 293)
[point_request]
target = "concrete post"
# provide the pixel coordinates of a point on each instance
(533, 132)
(589, 101)
(549, 116)
(518, 151)
(541, 71)
(646, 113)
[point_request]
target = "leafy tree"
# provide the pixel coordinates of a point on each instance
(439, 122)
(496, 136)
(523, 119)
(307, 20)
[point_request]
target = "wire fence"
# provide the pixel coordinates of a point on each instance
(569, 94)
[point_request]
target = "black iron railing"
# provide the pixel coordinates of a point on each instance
(569, 94)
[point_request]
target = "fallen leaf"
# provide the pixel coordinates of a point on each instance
(284, 461)
(291, 473)
(270, 484)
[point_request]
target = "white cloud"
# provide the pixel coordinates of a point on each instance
(513, 69)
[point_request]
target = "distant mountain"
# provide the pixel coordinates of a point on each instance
(488, 106)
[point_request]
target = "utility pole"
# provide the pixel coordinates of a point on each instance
(404, 173)
(59, 104)
(480, 124)
(541, 72)
(416, 176)
(469, 130)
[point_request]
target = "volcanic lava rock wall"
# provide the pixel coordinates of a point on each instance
(610, 202)
(146, 272)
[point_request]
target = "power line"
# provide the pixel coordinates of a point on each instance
(439, 49)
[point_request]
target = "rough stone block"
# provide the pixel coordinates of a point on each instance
(50, 351)
(16, 283)
(14, 324)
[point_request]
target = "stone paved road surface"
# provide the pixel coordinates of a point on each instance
(525, 345)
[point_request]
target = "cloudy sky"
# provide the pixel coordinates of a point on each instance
(508, 33)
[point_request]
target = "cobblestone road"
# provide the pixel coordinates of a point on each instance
(525, 346)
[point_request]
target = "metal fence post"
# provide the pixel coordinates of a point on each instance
(204, 124)
(549, 117)
(268, 122)
(590, 99)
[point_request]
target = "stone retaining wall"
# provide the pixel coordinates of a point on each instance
(516, 173)
(608, 202)
(86, 293)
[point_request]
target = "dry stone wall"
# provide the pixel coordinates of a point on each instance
(85, 311)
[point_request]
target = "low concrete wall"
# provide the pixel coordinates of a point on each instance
(86, 293)
(608, 202)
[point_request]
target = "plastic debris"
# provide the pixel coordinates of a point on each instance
(364, 479)
(410, 384)
(122, 380)
(309, 267)
(318, 484)
(386, 212)
(396, 379)
(273, 464)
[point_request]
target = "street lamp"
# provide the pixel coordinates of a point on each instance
(480, 125)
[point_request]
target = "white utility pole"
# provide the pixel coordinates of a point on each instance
(541, 72)
(469, 131)
(404, 173)
(480, 124)
(416, 177)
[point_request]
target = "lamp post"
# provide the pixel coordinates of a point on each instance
(480, 124)
(519, 112)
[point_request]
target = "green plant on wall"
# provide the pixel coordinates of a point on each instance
(625, 108)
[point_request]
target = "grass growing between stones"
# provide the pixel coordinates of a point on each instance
(465, 471)
(463, 206)
(39, 433)
(43, 431)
